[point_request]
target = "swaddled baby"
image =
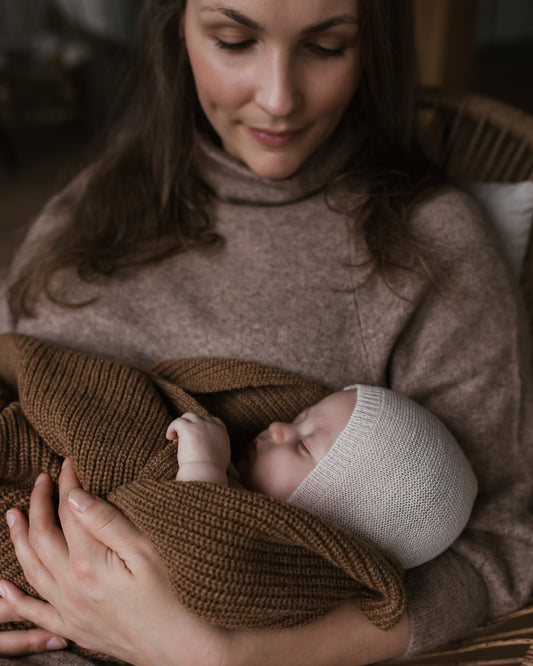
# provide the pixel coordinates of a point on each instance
(365, 459)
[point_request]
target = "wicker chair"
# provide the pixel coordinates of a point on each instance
(478, 139)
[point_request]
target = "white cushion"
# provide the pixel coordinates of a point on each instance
(509, 207)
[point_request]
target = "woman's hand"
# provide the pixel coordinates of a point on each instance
(16, 643)
(106, 588)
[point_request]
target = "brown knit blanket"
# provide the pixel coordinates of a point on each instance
(235, 558)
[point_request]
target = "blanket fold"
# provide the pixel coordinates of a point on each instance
(235, 558)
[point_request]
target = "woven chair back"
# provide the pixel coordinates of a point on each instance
(477, 139)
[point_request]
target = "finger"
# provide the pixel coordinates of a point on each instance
(191, 417)
(34, 570)
(171, 433)
(17, 606)
(45, 536)
(108, 526)
(18, 643)
(84, 551)
(95, 533)
(8, 614)
(68, 481)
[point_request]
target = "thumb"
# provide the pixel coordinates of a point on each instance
(106, 524)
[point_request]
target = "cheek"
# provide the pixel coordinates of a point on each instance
(336, 91)
(218, 87)
(278, 474)
(213, 79)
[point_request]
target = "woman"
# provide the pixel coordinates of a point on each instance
(264, 198)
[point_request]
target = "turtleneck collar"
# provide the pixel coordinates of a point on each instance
(232, 181)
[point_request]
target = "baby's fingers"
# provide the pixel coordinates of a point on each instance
(172, 433)
(181, 422)
(191, 417)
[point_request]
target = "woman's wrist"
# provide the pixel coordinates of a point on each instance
(343, 637)
(186, 640)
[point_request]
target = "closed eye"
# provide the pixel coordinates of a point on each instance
(324, 52)
(303, 447)
(234, 46)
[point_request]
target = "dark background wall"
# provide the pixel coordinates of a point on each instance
(503, 51)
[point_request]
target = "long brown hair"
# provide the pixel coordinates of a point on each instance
(144, 200)
(392, 163)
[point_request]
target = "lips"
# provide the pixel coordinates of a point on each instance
(250, 452)
(274, 139)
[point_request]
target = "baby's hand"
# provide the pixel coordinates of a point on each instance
(203, 448)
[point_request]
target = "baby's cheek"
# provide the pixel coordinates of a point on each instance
(285, 483)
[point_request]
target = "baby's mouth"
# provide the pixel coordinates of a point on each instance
(250, 452)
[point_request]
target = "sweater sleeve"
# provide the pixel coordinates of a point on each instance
(464, 355)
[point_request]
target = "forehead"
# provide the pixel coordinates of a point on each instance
(336, 405)
(326, 420)
(330, 415)
(295, 14)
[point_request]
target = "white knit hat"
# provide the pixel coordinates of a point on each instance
(394, 477)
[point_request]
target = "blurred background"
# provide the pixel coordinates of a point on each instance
(60, 62)
(60, 66)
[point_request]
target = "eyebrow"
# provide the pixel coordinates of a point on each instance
(234, 15)
(333, 22)
(238, 17)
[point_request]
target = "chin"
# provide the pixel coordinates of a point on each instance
(275, 169)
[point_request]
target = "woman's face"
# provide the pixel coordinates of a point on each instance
(273, 77)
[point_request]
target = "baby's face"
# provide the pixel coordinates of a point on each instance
(280, 458)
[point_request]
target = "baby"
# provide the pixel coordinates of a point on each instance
(365, 459)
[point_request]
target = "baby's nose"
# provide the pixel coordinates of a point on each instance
(281, 433)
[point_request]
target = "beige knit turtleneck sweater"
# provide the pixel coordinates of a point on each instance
(288, 290)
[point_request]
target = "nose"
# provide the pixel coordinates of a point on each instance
(282, 433)
(277, 86)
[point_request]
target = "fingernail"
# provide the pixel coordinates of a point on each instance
(10, 519)
(80, 499)
(56, 643)
(2, 592)
(39, 479)
(65, 463)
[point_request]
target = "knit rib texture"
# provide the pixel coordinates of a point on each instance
(234, 558)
